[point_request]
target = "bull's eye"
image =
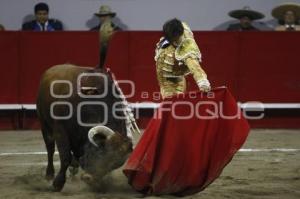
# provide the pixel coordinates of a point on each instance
(90, 91)
(93, 92)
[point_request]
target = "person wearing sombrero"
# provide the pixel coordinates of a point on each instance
(245, 17)
(106, 29)
(2, 27)
(288, 15)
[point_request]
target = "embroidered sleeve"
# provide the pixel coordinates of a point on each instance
(187, 49)
(195, 68)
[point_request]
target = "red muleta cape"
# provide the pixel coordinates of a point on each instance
(181, 152)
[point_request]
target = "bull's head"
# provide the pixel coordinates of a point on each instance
(107, 150)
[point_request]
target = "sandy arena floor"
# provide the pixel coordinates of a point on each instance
(262, 174)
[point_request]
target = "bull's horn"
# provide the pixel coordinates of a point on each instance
(103, 130)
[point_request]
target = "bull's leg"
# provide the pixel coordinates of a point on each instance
(50, 146)
(74, 166)
(77, 153)
(65, 156)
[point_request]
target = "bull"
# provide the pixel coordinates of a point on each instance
(80, 110)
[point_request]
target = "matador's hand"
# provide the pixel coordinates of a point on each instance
(204, 85)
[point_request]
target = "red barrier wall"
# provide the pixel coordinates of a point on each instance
(26, 55)
(256, 66)
(270, 72)
(9, 64)
(41, 51)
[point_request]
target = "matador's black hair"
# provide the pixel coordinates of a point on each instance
(173, 29)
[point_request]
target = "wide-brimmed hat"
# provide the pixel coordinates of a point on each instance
(246, 12)
(105, 11)
(279, 11)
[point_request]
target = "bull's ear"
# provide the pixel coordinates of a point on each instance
(100, 140)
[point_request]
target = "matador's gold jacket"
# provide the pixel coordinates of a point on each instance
(173, 63)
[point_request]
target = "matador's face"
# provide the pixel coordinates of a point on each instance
(177, 40)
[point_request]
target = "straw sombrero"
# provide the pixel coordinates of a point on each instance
(246, 12)
(105, 11)
(279, 11)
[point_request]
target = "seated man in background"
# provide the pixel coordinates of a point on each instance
(42, 21)
(288, 16)
(106, 29)
(2, 27)
(245, 17)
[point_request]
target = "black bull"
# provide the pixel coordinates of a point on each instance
(69, 104)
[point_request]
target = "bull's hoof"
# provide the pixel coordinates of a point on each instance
(58, 184)
(49, 173)
(49, 177)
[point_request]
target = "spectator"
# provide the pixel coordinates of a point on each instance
(42, 21)
(106, 29)
(2, 27)
(245, 17)
(288, 16)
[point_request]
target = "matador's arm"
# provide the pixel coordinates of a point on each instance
(198, 74)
